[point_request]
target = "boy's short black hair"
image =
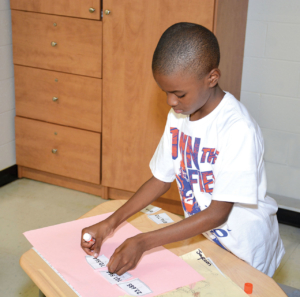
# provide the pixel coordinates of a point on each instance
(188, 48)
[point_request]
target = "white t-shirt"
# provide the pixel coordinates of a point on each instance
(220, 157)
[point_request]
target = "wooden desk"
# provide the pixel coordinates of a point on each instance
(240, 272)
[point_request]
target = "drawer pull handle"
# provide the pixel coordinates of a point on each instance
(53, 43)
(54, 99)
(54, 151)
(107, 12)
(91, 9)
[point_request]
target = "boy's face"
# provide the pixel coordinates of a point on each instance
(187, 94)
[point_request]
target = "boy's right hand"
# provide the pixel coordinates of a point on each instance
(98, 232)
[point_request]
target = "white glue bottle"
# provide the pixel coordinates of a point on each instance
(87, 237)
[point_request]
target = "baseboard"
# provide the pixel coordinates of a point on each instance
(288, 217)
(288, 209)
(8, 175)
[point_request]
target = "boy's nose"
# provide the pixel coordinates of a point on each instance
(172, 100)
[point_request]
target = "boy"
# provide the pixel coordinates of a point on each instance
(214, 150)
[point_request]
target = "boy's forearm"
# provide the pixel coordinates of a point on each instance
(192, 226)
(147, 193)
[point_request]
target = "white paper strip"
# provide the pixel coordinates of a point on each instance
(99, 262)
(113, 278)
(150, 209)
(135, 288)
(161, 218)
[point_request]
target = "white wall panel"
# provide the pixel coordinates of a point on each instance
(7, 95)
(7, 100)
(7, 131)
(271, 88)
(277, 145)
(283, 180)
(6, 62)
(283, 41)
(294, 152)
(256, 39)
(281, 11)
(271, 76)
(280, 113)
(4, 4)
(5, 28)
(8, 155)
(252, 103)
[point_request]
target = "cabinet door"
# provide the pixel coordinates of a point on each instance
(134, 108)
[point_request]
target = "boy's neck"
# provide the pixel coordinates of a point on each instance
(216, 96)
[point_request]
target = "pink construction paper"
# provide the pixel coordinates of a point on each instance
(159, 269)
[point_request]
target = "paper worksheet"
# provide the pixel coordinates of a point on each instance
(159, 269)
(215, 283)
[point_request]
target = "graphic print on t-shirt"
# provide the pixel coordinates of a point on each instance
(191, 176)
(189, 203)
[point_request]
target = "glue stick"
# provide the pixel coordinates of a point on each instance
(87, 237)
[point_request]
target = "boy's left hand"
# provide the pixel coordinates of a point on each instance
(127, 255)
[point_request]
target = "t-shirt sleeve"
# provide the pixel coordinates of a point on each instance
(161, 164)
(239, 165)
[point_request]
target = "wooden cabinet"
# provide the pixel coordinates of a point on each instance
(127, 109)
(58, 88)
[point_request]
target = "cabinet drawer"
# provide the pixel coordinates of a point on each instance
(57, 43)
(74, 8)
(60, 98)
(77, 155)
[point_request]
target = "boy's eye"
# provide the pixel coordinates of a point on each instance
(181, 96)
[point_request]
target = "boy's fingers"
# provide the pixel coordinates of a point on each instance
(88, 251)
(88, 247)
(123, 269)
(96, 248)
(112, 265)
(85, 244)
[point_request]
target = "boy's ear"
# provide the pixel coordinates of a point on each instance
(214, 77)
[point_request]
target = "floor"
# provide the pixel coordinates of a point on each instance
(26, 204)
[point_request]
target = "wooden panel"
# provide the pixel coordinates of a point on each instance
(74, 8)
(78, 49)
(78, 151)
(79, 97)
(230, 29)
(134, 108)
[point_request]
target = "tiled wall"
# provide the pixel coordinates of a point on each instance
(270, 88)
(7, 103)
